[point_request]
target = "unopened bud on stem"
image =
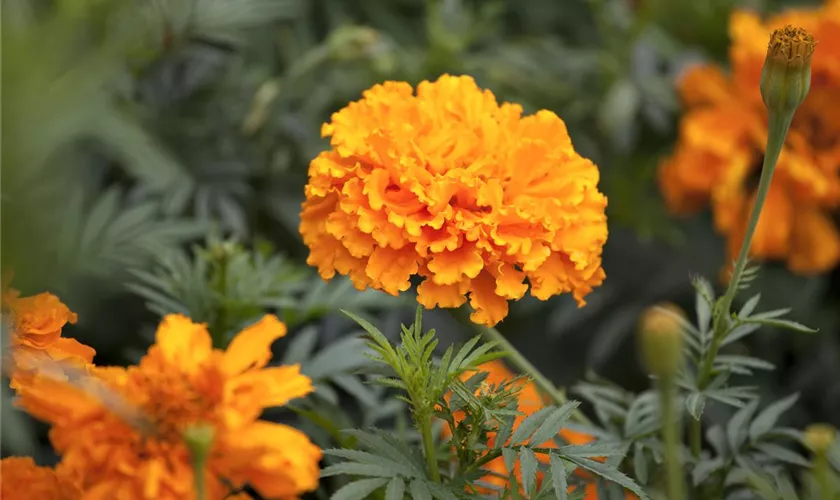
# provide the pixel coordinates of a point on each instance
(786, 77)
(661, 340)
(820, 437)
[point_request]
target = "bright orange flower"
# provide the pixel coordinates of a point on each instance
(121, 431)
(35, 342)
(449, 185)
(21, 479)
(529, 403)
(722, 138)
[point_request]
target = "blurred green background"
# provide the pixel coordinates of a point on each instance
(154, 155)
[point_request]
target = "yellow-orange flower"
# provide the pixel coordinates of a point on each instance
(35, 342)
(121, 431)
(529, 402)
(453, 187)
(21, 479)
(722, 138)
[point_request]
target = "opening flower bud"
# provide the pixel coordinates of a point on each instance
(661, 340)
(820, 437)
(786, 77)
(199, 440)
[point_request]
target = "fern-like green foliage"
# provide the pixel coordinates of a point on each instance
(380, 466)
(224, 285)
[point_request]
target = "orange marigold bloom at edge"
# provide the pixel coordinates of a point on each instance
(722, 138)
(21, 479)
(35, 342)
(448, 185)
(121, 431)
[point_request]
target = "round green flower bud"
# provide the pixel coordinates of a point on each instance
(820, 437)
(661, 340)
(786, 76)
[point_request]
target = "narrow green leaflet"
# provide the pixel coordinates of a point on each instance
(419, 490)
(395, 490)
(768, 417)
(737, 428)
(558, 477)
(610, 474)
(358, 490)
(554, 423)
(530, 425)
(528, 466)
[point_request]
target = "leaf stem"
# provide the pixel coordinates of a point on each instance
(778, 124)
(670, 435)
(525, 366)
(424, 422)
(696, 437)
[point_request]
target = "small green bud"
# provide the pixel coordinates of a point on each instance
(199, 439)
(786, 76)
(661, 340)
(820, 437)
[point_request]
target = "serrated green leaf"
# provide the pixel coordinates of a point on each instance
(703, 300)
(558, 477)
(782, 323)
(395, 490)
(440, 492)
(528, 468)
(528, 426)
(739, 332)
(738, 426)
(419, 490)
(597, 449)
(610, 474)
(746, 361)
(359, 469)
(749, 306)
(509, 457)
(358, 490)
(768, 417)
(782, 454)
(554, 423)
(704, 469)
(695, 403)
(640, 463)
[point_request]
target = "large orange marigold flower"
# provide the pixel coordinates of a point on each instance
(21, 479)
(451, 186)
(722, 138)
(121, 431)
(35, 339)
(529, 402)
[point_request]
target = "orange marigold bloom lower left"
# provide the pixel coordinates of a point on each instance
(120, 431)
(36, 343)
(21, 479)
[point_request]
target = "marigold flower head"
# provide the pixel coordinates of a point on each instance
(450, 186)
(22, 479)
(35, 339)
(121, 431)
(723, 134)
(529, 402)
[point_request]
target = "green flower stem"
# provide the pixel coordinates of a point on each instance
(822, 476)
(670, 435)
(424, 422)
(778, 124)
(525, 366)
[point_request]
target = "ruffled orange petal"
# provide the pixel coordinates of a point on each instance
(183, 342)
(251, 348)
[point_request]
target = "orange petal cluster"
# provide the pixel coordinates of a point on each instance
(530, 402)
(35, 342)
(468, 195)
(21, 479)
(722, 138)
(120, 431)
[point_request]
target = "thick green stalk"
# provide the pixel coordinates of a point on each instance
(670, 435)
(778, 124)
(525, 366)
(424, 422)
